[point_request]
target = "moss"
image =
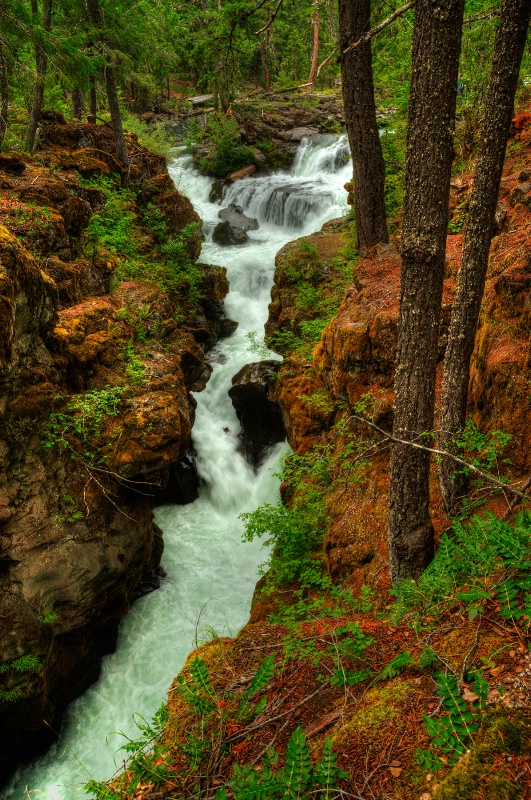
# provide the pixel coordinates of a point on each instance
(479, 775)
(380, 705)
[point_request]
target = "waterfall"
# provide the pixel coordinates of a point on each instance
(211, 574)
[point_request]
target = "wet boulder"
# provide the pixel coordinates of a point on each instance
(216, 192)
(181, 483)
(259, 414)
(235, 216)
(226, 234)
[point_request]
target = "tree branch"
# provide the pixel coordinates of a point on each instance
(382, 26)
(485, 475)
(271, 19)
(325, 62)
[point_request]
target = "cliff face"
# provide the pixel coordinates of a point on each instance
(96, 416)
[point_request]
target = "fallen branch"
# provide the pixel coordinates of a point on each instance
(514, 501)
(325, 62)
(435, 451)
(379, 28)
(293, 88)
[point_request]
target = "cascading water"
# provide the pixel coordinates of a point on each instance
(210, 573)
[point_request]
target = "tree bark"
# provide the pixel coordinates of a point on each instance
(429, 154)
(315, 54)
(41, 63)
(93, 103)
(77, 103)
(96, 18)
(362, 129)
(508, 52)
(4, 94)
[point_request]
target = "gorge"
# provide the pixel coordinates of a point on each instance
(210, 573)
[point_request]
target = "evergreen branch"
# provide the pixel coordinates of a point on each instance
(379, 28)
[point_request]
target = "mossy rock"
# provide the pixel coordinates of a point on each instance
(477, 776)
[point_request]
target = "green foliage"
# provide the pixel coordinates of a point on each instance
(453, 732)
(112, 227)
(396, 666)
(78, 425)
(154, 138)
(294, 533)
(48, 617)
(133, 369)
(227, 154)
(299, 778)
(147, 758)
(256, 346)
(22, 664)
(481, 449)
(484, 561)
(342, 655)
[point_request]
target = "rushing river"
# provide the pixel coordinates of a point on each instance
(210, 573)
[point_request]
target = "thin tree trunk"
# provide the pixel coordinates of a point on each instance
(4, 94)
(360, 119)
(436, 46)
(41, 63)
(93, 103)
(77, 103)
(267, 48)
(508, 52)
(315, 55)
(95, 16)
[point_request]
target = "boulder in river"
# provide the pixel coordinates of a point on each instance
(216, 192)
(226, 234)
(260, 415)
(234, 214)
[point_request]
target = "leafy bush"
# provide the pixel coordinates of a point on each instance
(112, 227)
(227, 154)
(156, 139)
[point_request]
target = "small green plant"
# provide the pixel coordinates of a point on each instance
(147, 758)
(134, 368)
(256, 346)
(484, 561)
(112, 227)
(78, 425)
(299, 778)
(453, 732)
(22, 664)
(483, 450)
(48, 617)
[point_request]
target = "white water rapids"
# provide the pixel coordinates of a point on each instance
(211, 574)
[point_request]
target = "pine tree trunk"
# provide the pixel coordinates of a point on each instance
(4, 94)
(436, 46)
(315, 54)
(41, 63)
(508, 52)
(360, 120)
(95, 16)
(93, 104)
(77, 103)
